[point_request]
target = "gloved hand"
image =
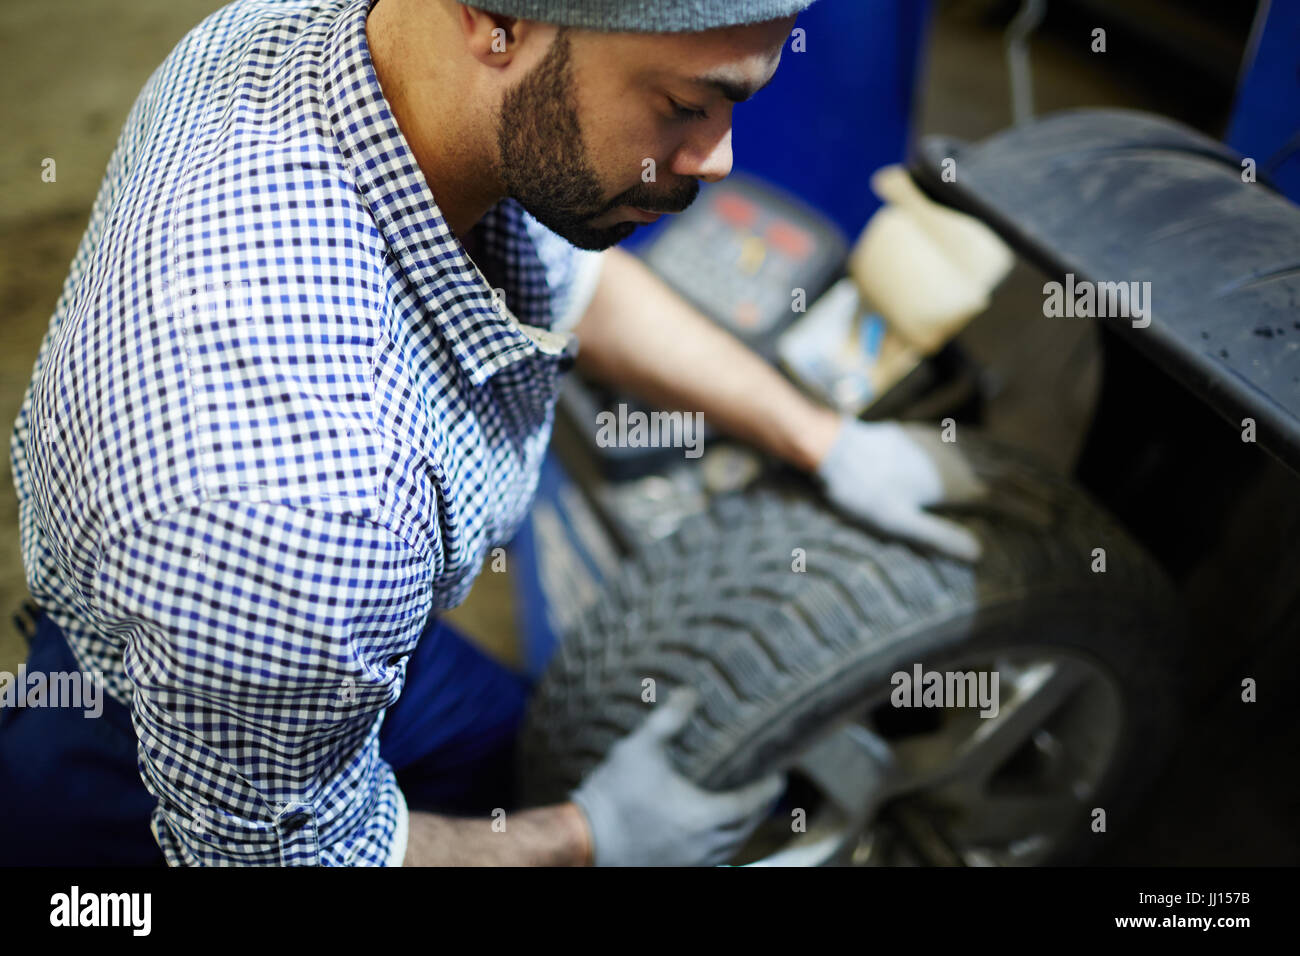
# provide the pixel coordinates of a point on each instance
(886, 473)
(642, 812)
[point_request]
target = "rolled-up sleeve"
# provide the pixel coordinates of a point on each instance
(263, 643)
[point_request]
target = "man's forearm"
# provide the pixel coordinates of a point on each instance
(640, 335)
(546, 836)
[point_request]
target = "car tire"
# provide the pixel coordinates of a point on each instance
(792, 620)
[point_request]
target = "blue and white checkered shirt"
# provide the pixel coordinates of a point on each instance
(278, 419)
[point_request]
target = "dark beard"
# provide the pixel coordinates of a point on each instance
(543, 161)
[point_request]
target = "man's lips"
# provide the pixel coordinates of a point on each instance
(626, 212)
(650, 215)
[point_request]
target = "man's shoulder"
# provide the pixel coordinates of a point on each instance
(220, 343)
(262, 160)
(272, 279)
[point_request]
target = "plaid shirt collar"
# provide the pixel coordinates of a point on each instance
(483, 334)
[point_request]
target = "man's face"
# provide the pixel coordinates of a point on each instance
(608, 130)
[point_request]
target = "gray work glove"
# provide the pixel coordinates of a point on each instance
(886, 474)
(642, 812)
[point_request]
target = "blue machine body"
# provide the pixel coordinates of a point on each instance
(1266, 116)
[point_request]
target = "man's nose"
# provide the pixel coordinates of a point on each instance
(706, 157)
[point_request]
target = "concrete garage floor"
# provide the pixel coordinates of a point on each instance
(72, 69)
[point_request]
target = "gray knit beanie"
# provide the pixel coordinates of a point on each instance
(646, 16)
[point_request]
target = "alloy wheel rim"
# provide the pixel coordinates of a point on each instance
(946, 787)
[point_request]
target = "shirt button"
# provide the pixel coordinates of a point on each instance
(293, 819)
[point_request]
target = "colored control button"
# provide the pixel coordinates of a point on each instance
(746, 315)
(791, 240)
(752, 253)
(735, 209)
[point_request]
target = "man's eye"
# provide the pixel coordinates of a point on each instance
(686, 112)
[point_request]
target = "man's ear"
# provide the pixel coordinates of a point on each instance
(492, 38)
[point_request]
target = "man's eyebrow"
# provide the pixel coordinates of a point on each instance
(736, 92)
